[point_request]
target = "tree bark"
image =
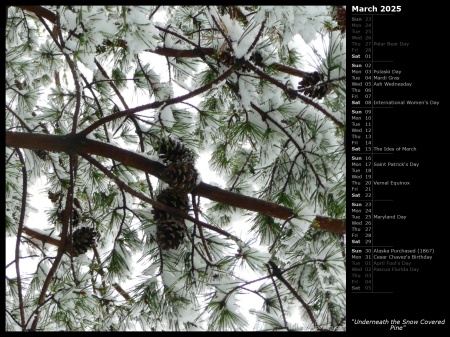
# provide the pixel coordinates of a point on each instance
(40, 11)
(337, 226)
(41, 237)
(70, 143)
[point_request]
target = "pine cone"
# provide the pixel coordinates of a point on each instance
(75, 216)
(171, 151)
(54, 197)
(340, 17)
(309, 86)
(181, 176)
(77, 203)
(318, 91)
(226, 58)
(310, 79)
(170, 197)
(257, 58)
(82, 240)
(170, 233)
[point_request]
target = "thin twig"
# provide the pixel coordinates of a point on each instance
(22, 122)
(225, 36)
(61, 249)
(279, 233)
(263, 25)
(305, 99)
(116, 286)
(278, 273)
(157, 104)
(154, 203)
(200, 230)
(266, 116)
(73, 70)
(19, 234)
(279, 298)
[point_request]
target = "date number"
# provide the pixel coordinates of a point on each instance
(391, 8)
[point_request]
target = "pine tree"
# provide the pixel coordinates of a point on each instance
(110, 108)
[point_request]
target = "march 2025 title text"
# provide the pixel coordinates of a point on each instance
(376, 9)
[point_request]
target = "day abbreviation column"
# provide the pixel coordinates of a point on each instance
(361, 113)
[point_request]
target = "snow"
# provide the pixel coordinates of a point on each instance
(167, 116)
(141, 36)
(69, 20)
(246, 97)
(245, 41)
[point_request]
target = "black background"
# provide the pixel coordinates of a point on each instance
(421, 295)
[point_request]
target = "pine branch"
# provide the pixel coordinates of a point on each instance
(292, 92)
(288, 70)
(58, 243)
(21, 121)
(279, 298)
(122, 100)
(200, 230)
(200, 51)
(171, 52)
(241, 171)
(324, 223)
(59, 255)
(279, 234)
(73, 69)
(40, 12)
(264, 116)
(257, 37)
(242, 201)
(157, 104)
(70, 143)
(116, 286)
(129, 158)
(188, 53)
(41, 237)
(62, 247)
(19, 234)
(278, 274)
(225, 36)
(154, 203)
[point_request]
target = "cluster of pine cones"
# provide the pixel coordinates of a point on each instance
(311, 87)
(181, 175)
